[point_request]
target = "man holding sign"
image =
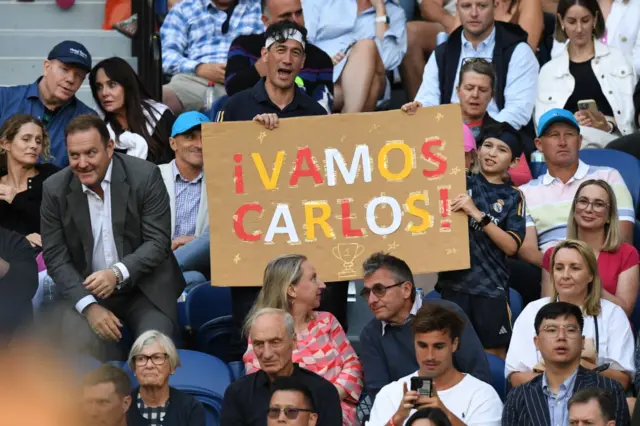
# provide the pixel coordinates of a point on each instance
(274, 97)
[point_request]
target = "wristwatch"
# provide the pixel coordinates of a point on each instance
(118, 273)
(486, 219)
(384, 19)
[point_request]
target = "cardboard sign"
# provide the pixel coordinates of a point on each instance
(336, 189)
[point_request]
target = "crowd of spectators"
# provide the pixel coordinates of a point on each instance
(107, 211)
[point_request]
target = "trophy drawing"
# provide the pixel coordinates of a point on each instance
(347, 252)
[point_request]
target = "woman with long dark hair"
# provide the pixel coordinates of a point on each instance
(592, 80)
(139, 125)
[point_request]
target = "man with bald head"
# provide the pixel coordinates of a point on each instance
(246, 401)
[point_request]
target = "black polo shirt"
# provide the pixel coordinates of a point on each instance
(247, 399)
(245, 105)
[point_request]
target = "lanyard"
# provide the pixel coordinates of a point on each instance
(595, 321)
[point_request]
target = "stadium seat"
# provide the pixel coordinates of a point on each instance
(515, 303)
(237, 369)
(626, 164)
(204, 303)
(215, 337)
(499, 383)
(432, 295)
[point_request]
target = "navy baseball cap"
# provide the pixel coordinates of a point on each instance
(556, 115)
(187, 121)
(71, 52)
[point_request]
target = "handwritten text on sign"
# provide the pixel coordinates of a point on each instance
(336, 189)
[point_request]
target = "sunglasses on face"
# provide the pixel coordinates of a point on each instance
(290, 413)
(379, 290)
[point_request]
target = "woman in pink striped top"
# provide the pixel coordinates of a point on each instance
(291, 283)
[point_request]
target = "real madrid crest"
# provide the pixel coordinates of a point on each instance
(498, 205)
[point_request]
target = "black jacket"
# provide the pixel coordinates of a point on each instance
(183, 410)
(526, 405)
(508, 36)
(247, 399)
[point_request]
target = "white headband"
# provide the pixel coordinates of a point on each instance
(289, 34)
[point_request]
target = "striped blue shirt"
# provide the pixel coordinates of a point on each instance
(187, 202)
(192, 33)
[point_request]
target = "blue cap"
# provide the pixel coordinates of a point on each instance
(187, 121)
(556, 115)
(71, 52)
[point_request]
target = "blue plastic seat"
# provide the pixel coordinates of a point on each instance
(204, 303)
(498, 381)
(237, 369)
(215, 337)
(626, 164)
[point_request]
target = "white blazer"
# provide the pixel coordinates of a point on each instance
(617, 79)
(623, 31)
(203, 210)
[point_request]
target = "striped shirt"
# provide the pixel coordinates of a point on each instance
(526, 405)
(197, 32)
(549, 201)
(187, 202)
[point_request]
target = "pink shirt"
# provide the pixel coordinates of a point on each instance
(610, 264)
(324, 349)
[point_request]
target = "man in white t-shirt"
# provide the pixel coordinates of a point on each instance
(463, 398)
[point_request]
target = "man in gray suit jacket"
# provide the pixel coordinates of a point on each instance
(106, 233)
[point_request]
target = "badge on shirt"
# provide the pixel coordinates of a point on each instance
(498, 205)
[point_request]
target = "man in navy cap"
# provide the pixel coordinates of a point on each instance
(184, 179)
(52, 97)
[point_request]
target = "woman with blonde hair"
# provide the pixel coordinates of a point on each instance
(608, 337)
(594, 219)
(292, 284)
(23, 143)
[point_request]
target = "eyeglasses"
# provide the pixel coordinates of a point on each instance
(570, 331)
(598, 206)
(289, 412)
(156, 359)
(378, 290)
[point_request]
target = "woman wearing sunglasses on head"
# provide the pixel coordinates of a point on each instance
(593, 219)
(291, 283)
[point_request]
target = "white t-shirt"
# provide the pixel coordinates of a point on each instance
(615, 347)
(472, 401)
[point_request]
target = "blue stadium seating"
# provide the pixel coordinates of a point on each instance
(215, 337)
(626, 164)
(498, 381)
(204, 303)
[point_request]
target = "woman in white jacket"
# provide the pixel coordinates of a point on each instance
(588, 70)
(622, 19)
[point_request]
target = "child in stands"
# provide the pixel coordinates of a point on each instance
(496, 230)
